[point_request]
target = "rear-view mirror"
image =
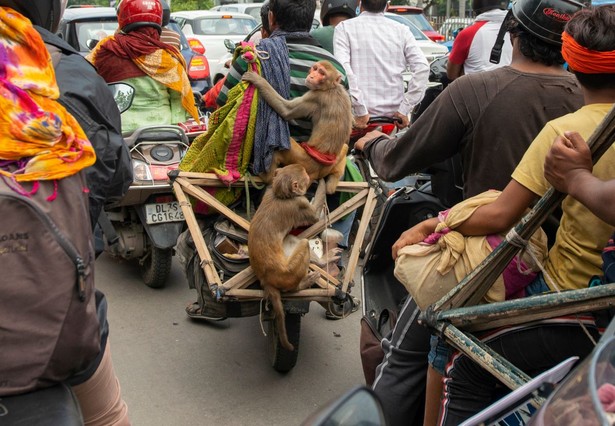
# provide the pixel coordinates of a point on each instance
(358, 407)
(123, 95)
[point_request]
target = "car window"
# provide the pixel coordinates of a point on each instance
(93, 31)
(228, 9)
(420, 21)
(223, 26)
(418, 34)
(254, 12)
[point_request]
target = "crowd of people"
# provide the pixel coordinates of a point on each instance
(519, 126)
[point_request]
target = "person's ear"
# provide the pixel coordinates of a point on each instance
(271, 18)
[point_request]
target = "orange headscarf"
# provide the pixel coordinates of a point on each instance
(36, 132)
(154, 58)
(584, 60)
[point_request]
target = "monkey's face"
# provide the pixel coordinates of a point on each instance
(322, 76)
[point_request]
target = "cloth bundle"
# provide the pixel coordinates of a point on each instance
(430, 269)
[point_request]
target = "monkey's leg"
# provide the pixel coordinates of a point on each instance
(319, 197)
(298, 266)
(338, 171)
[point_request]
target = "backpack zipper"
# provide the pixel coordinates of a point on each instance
(66, 245)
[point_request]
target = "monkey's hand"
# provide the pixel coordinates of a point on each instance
(251, 77)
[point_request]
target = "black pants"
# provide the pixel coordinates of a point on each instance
(401, 377)
(468, 388)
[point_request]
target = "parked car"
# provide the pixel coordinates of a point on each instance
(431, 49)
(416, 16)
(211, 28)
(252, 9)
(82, 28)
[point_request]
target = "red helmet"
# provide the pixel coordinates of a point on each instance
(132, 14)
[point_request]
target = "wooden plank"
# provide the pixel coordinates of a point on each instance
(527, 309)
(353, 259)
(210, 200)
(342, 210)
(256, 293)
(211, 275)
(210, 179)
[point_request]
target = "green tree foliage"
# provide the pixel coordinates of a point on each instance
(175, 4)
(191, 5)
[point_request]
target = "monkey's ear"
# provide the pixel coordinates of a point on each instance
(295, 186)
(339, 77)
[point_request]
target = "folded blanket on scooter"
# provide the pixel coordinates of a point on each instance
(430, 269)
(226, 148)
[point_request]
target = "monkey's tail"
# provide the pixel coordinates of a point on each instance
(275, 297)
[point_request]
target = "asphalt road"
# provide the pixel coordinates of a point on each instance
(175, 371)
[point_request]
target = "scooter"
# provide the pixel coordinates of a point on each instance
(145, 223)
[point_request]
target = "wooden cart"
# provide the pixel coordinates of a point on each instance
(235, 289)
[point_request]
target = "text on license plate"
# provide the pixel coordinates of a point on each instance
(163, 212)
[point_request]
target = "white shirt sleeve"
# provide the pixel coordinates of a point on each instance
(341, 49)
(419, 70)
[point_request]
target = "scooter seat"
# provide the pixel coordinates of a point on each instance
(56, 405)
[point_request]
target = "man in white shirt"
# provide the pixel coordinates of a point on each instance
(375, 51)
(472, 47)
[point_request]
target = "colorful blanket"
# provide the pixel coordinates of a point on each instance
(226, 148)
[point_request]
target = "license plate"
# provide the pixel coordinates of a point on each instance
(163, 212)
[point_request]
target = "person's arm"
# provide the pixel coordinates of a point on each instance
(459, 52)
(493, 218)
(568, 167)
(453, 70)
(238, 67)
(434, 137)
(341, 47)
(419, 71)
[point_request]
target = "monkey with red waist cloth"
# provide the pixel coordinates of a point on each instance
(327, 105)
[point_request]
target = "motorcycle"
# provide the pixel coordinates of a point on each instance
(145, 223)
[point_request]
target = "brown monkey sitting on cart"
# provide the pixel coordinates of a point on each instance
(327, 105)
(283, 208)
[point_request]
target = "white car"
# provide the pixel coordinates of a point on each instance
(252, 9)
(211, 28)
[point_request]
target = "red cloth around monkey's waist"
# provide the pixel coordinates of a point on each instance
(321, 157)
(297, 231)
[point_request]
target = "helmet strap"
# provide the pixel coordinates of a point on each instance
(496, 51)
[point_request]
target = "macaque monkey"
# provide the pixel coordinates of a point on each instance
(327, 105)
(283, 208)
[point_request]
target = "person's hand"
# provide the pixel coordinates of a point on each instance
(414, 235)
(569, 156)
(361, 122)
(403, 120)
(359, 144)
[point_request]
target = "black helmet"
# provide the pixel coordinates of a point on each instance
(544, 19)
(166, 13)
(480, 6)
(333, 7)
(44, 13)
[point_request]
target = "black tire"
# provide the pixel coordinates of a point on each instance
(156, 267)
(283, 360)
